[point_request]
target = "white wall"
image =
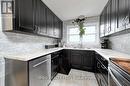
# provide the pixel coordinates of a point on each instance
(90, 21)
(121, 42)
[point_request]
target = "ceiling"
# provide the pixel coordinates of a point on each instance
(70, 9)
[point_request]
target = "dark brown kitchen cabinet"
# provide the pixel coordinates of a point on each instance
(33, 16)
(108, 22)
(40, 18)
(55, 63)
(116, 17)
(76, 59)
(56, 26)
(102, 28)
(114, 13)
(88, 60)
(26, 15)
(50, 22)
(122, 14)
(66, 64)
(83, 60)
(57, 30)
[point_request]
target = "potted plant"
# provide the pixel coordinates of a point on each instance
(80, 22)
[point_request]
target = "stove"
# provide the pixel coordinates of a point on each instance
(119, 72)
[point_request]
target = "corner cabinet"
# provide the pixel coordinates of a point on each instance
(115, 17)
(33, 16)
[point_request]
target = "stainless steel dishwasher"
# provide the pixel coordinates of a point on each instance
(2, 71)
(40, 71)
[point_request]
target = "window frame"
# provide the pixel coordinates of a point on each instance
(76, 26)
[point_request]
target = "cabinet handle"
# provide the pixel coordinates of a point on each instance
(35, 28)
(56, 56)
(98, 65)
(38, 29)
(102, 59)
(126, 20)
(103, 67)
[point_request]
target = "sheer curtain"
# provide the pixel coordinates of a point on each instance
(90, 39)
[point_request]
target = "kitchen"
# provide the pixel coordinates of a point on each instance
(61, 43)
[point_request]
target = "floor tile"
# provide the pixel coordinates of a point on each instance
(75, 78)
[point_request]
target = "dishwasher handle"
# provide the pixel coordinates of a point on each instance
(40, 63)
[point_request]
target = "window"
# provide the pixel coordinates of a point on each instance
(90, 34)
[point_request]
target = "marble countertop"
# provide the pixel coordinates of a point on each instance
(106, 53)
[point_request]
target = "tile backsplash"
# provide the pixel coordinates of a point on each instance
(120, 43)
(16, 42)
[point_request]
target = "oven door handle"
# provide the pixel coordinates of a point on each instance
(114, 78)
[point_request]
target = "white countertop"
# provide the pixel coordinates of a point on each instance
(106, 53)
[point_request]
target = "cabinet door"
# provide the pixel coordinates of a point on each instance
(50, 23)
(114, 11)
(60, 29)
(105, 20)
(56, 28)
(76, 59)
(40, 17)
(122, 14)
(88, 60)
(102, 24)
(66, 66)
(26, 13)
(54, 65)
(43, 29)
(108, 28)
(37, 15)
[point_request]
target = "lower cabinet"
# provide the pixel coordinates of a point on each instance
(88, 62)
(55, 62)
(101, 71)
(82, 59)
(40, 71)
(76, 59)
(65, 65)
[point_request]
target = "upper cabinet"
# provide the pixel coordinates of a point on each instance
(102, 25)
(40, 18)
(107, 19)
(26, 15)
(57, 25)
(123, 13)
(35, 17)
(50, 23)
(116, 17)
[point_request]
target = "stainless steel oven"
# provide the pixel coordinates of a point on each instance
(117, 76)
(113, 81)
